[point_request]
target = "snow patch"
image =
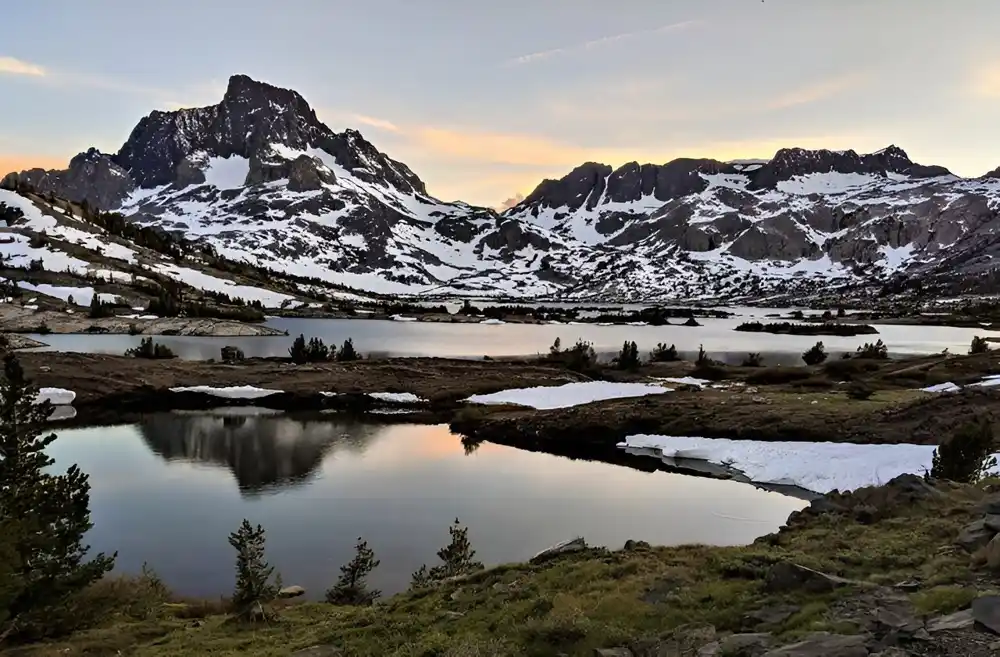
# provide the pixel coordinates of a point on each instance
(230, 392)
(55, 396)
(397, 397)
(567, 395)
(818, 467)
(227, 172)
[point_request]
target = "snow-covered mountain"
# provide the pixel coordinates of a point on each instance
(261, 179)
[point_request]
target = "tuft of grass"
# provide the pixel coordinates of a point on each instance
(943, 599)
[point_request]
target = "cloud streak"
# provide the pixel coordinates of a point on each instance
(534, 57)
(14, 66)
(818, 91)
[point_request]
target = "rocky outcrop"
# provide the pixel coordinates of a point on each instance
(91, 176)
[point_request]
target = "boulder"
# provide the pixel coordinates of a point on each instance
(986, 611)
(291, 592)
(573, 545)
(993, 553)
(825, 645)
(960, 620)
(745, 645)
(772, 615)
(975, 535)
(788, 576)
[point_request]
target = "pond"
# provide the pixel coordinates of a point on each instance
(168, 491)
(389, 338)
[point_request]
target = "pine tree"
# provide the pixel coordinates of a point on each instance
(253, 574)
(967, 455)
(298, 351)
(351, 588)
(51, 509)
(347, 352)
(457, 556)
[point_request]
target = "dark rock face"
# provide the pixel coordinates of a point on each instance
(92, 176)
(790, 162)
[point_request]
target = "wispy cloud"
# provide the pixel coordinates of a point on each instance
(511, 202)
(818, 91)
(374, 122)
(600, 42)
(14, 66)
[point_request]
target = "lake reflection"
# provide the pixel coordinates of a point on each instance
(169, 491)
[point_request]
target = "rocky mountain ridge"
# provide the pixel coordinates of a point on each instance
(259, 178)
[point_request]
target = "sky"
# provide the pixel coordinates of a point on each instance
(483, 100)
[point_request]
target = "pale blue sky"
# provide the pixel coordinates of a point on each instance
(484, 99)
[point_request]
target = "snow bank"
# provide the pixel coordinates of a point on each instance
(819, 467)
(400, 318)
(684, 381)
(570, 394)
(82, 296)
(231, 392)
(943, 387)
(57, 396)
(493, 322)
(60, 413)
(396, 397)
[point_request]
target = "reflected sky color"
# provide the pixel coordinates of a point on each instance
(399, 486)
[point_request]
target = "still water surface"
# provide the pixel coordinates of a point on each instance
(169, 490)
(382, 337)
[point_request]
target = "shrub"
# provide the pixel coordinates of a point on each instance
(347, 352)
(849, 368)
(967, 455)
(979, 346)
(628, 357)
(815, 355)
(152, 350)
(859, 390)
(702, 358)
(231, 354)
(351, 587)
(877, 351)
(579, 358)
(663, 354)
(134, 329)
(457, 558)
(312, 352)
(44, 517)
(752, 360)
(254, 585)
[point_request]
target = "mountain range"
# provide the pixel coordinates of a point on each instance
(260, 179)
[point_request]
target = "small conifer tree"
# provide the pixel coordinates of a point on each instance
(298, 351)
(815, 355)
(347, 351)
(351, 587)
(967, 455)
(254, 585)
(47, 514)
(979, 346)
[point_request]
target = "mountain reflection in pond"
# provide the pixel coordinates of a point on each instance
(164, 493)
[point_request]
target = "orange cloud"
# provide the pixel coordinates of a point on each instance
(984, 81)
(13, 66)
(819, 91)
(11, 163)
(511, 202)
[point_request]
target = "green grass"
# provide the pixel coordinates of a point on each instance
(580, 602)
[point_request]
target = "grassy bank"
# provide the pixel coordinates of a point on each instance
(647, 599)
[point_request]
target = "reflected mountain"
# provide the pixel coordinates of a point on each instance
(264, 452)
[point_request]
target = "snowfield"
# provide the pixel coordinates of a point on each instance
(567, 395)
(818, 467)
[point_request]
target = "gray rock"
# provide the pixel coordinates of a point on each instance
(612, 652)
(788, 576)
(992, 553)
(318, 651)
(986, 611)
(745, 645)
(573, 545)
(992, 522)
(960, 620)
(898, 619)
(824, 645)
(772, 615)
(975, 535)
(990, 505)
(291, 592)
